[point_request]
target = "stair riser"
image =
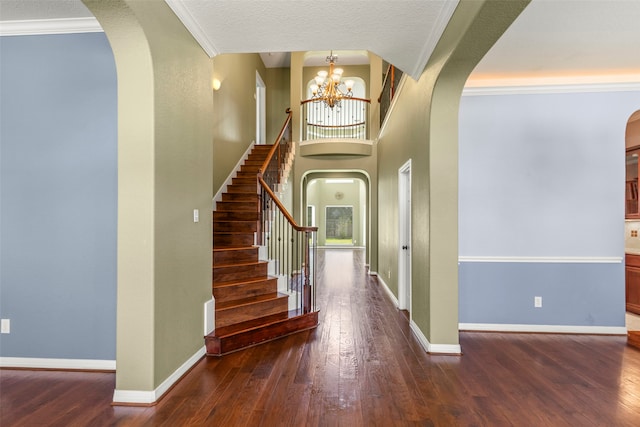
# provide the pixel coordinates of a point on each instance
(243, 188)
(235, 216)
(240, 197)
(242, 256)
(241, 174)
(223, 240)
(239, 273)
(233, 315)
(218, 346)
(245, 290)
(245, 181)
(237, 206)
(237, 226)
(249, 168)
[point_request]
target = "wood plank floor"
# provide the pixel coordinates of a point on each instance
(361, 367)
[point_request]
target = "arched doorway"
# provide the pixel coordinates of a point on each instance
(632, 224)
(338, 203)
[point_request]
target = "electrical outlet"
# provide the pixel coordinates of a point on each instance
(537, 302)
(196, 215)
(388, 274)
(5, 326)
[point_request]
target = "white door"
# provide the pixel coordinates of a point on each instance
(404, 235)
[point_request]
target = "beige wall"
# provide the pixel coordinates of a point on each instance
(164, 172)
(423, 127)
(234, 110)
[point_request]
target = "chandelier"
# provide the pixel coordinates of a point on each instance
(328, 87)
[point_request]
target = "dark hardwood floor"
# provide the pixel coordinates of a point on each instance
(361, 367)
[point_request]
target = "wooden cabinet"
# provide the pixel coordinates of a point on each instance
(632, 209)
(632, 280)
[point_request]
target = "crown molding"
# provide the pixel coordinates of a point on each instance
(551, 88)
(49, 26)
(192, 26)
(439, 25)
(543, 259)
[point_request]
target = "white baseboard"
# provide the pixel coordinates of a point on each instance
(236, 168)
(40, 363)
(550, 329)
(209, 316)
(394, 299)
(428, 347)
(434, 348)
(150, 397)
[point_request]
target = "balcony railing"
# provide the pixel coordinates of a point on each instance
(348, 120)
(291, 247)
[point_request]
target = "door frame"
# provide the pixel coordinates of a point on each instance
(261, 110)
(404, 237)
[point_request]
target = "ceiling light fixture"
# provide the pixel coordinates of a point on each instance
(328, 87)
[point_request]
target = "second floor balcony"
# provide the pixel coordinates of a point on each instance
(341, 129)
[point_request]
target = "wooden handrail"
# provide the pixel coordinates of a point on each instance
(276, 144)
(355, 99)
(337, 126)
(386, 77)
(283, 209)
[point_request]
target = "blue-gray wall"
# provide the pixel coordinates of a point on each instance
(58, 134)
(541, 182)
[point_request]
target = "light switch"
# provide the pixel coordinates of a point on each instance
(196, 215)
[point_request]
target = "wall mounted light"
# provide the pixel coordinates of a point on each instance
(215, 84)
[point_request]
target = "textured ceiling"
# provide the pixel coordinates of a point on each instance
(565, 42)
(402, 32)
(553, 41)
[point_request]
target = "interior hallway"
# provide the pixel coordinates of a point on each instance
(360, 367)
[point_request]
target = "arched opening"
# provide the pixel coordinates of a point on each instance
(632, 224)
(338, 203)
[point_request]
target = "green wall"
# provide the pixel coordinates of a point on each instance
(423, 127)
(234, 110)
(278, 100)
(164, 172)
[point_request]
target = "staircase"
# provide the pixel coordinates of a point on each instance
(248, 307)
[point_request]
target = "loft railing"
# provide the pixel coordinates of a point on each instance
(389, 86)
(290, 246)
(347, 120)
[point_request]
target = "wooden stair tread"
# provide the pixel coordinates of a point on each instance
(253, 324)
(235, 249)
(243, 281)
(237, 233)
(250, 300)
(235, 220)
(231, 338)
(246, 264)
